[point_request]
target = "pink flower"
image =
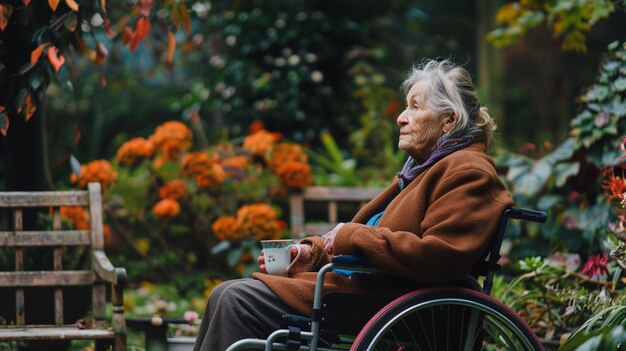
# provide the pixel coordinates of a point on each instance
(596, 266)
(190, 316)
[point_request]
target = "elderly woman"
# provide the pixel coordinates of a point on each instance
(432, 224)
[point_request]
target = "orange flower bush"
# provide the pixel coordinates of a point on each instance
(173, 133)
(77, 215)
(174, 190)
(260, 143)
(286, 152)
(95, 171)
(228, 228)
(166, 209)
(229, 193)
(259, 220)
(133, 151)
(294, 174)
(203, 169)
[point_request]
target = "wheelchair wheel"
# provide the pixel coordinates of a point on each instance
(446, 319)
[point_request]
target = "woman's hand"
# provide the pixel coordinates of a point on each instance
(329, 238)
(303, 264)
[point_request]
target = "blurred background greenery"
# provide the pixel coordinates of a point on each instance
(324, 75)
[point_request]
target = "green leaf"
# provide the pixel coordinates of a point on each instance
(234, 254)
(75, 164)
(564, 171)
(35, 80)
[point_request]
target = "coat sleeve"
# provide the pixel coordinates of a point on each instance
(462, 214)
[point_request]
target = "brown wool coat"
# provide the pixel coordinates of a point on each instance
(433, 231)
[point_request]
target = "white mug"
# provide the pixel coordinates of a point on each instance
(277, 255)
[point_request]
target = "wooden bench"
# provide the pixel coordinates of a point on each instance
(338, 204)
(54, 242)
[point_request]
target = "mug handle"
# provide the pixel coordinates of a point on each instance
(297, 246)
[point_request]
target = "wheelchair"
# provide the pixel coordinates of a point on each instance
(458, 316)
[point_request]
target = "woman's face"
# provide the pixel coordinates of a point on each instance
(419, 126)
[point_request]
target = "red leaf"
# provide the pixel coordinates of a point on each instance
(36, 54)
(103, 80)
(107, 28)
(127, 35)
(53, 4)
(134, 40)
(27, 107)
(26, 2)
(101, 53)
(186, 18)
(171, 47)
(143, 27)
(72, 4)
(4, 121)
(5, 14)
(56, 59)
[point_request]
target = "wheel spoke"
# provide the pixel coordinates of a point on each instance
(452, 323)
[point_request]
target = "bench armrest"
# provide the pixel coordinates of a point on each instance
(104, 269)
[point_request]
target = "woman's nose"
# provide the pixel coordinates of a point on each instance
(402, 118)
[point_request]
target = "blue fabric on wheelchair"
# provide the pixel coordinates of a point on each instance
(371, 222)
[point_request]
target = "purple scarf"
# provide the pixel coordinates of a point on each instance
(446, 145)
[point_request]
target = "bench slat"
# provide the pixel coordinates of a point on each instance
(45, 238)
(46, 278)
(44, 333)
(44, 198)
(323, 193)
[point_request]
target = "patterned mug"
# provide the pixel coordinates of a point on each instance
(277, 254)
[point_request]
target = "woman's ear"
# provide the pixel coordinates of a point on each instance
(449, 122)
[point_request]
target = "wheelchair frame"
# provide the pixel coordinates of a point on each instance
(485, 268)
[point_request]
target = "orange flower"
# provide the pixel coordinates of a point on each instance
(95, 171)
(234, 166)
(106, 235)
(175, 134)
(166, 209)
(256, 126)
(212, 177)
(77, 215)
(392, 108)
(172, 149)
(174, 190)
(236, 162)
(285, 152)
(260, 143)
(614, 186)
(204, 169)
(133, 151)
(228, 228)
(195, 163)
(294, 174)
(259, 220)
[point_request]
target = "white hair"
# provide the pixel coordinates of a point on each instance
(450, 90)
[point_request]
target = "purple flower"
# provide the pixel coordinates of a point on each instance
(601, 119)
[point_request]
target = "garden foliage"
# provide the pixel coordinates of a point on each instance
(174, 208)
(581, 184)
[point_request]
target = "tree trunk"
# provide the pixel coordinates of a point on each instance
(490, 68)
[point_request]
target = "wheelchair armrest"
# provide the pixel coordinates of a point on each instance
(348, 261)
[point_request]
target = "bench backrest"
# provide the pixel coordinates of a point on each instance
(20, 241)
(335, 202)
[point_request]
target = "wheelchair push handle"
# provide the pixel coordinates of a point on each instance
(528, 215)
